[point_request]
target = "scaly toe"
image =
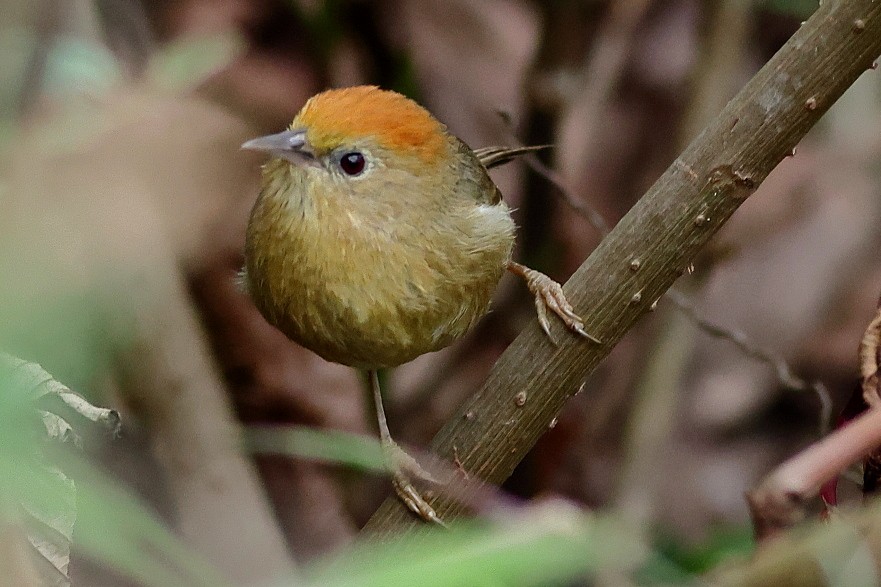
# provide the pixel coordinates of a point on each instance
(550, 295)
(541, 310)
(403, 468)
(414, 501)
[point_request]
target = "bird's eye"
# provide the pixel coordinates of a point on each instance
(352, 163)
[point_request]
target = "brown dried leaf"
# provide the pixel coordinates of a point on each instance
(869, 361)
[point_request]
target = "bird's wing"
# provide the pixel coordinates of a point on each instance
(494, 156)
(474, 180)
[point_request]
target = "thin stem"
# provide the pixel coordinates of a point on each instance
(779, 501)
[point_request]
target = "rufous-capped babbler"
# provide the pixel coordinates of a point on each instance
(378, 236)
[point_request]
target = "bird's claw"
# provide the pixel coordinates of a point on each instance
(403, 467)
(549, 296)
(413, 500)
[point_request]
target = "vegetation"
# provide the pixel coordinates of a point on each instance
(200, 447)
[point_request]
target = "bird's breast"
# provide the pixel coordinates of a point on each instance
(372, 288)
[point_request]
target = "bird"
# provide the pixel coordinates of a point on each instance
(378, 236)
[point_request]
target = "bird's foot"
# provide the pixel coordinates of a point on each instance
(403, 469)
(549, 296)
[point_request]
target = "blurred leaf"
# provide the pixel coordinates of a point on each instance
(550, 544)
(116, 529)
(46, 509)
(29, 381)
(723, 544)
(660, 570)
(353, 450)
(323, 24)
(111, 526)
(49, 523)
(72, 66)
(16, 47)
(185, 63)
(404, 76)
(80, 66)
(798, 8)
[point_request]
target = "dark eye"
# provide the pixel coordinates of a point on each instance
(352, 163)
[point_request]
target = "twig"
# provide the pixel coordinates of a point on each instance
(782, 371)
(586, 211)
(713, 177)
(651, 421)
(779, 501)
(170, 380)
(716, 74)
(870, 356)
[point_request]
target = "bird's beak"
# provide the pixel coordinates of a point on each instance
(290, 144)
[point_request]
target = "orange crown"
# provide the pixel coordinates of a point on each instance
(335, 117)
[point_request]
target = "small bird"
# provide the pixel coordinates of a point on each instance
(378, 236)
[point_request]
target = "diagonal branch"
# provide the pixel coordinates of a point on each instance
(655, 242)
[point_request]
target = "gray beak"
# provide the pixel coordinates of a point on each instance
(290, 144)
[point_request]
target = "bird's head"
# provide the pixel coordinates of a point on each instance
(359, 138)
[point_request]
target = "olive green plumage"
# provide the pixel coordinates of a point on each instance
(375, 269)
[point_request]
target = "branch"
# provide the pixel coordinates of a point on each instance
(655, 242)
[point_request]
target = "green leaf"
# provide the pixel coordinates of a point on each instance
(185, 63)
(116, 529)
(47, 514)
(353, 450)
(723, 544)
(108, 524)
(81, 66)
(551, 544)
(38, 496)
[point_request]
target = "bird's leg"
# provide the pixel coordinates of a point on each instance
(400, 464)
(549, 295)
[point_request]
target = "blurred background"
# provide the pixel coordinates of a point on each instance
(124, 197)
